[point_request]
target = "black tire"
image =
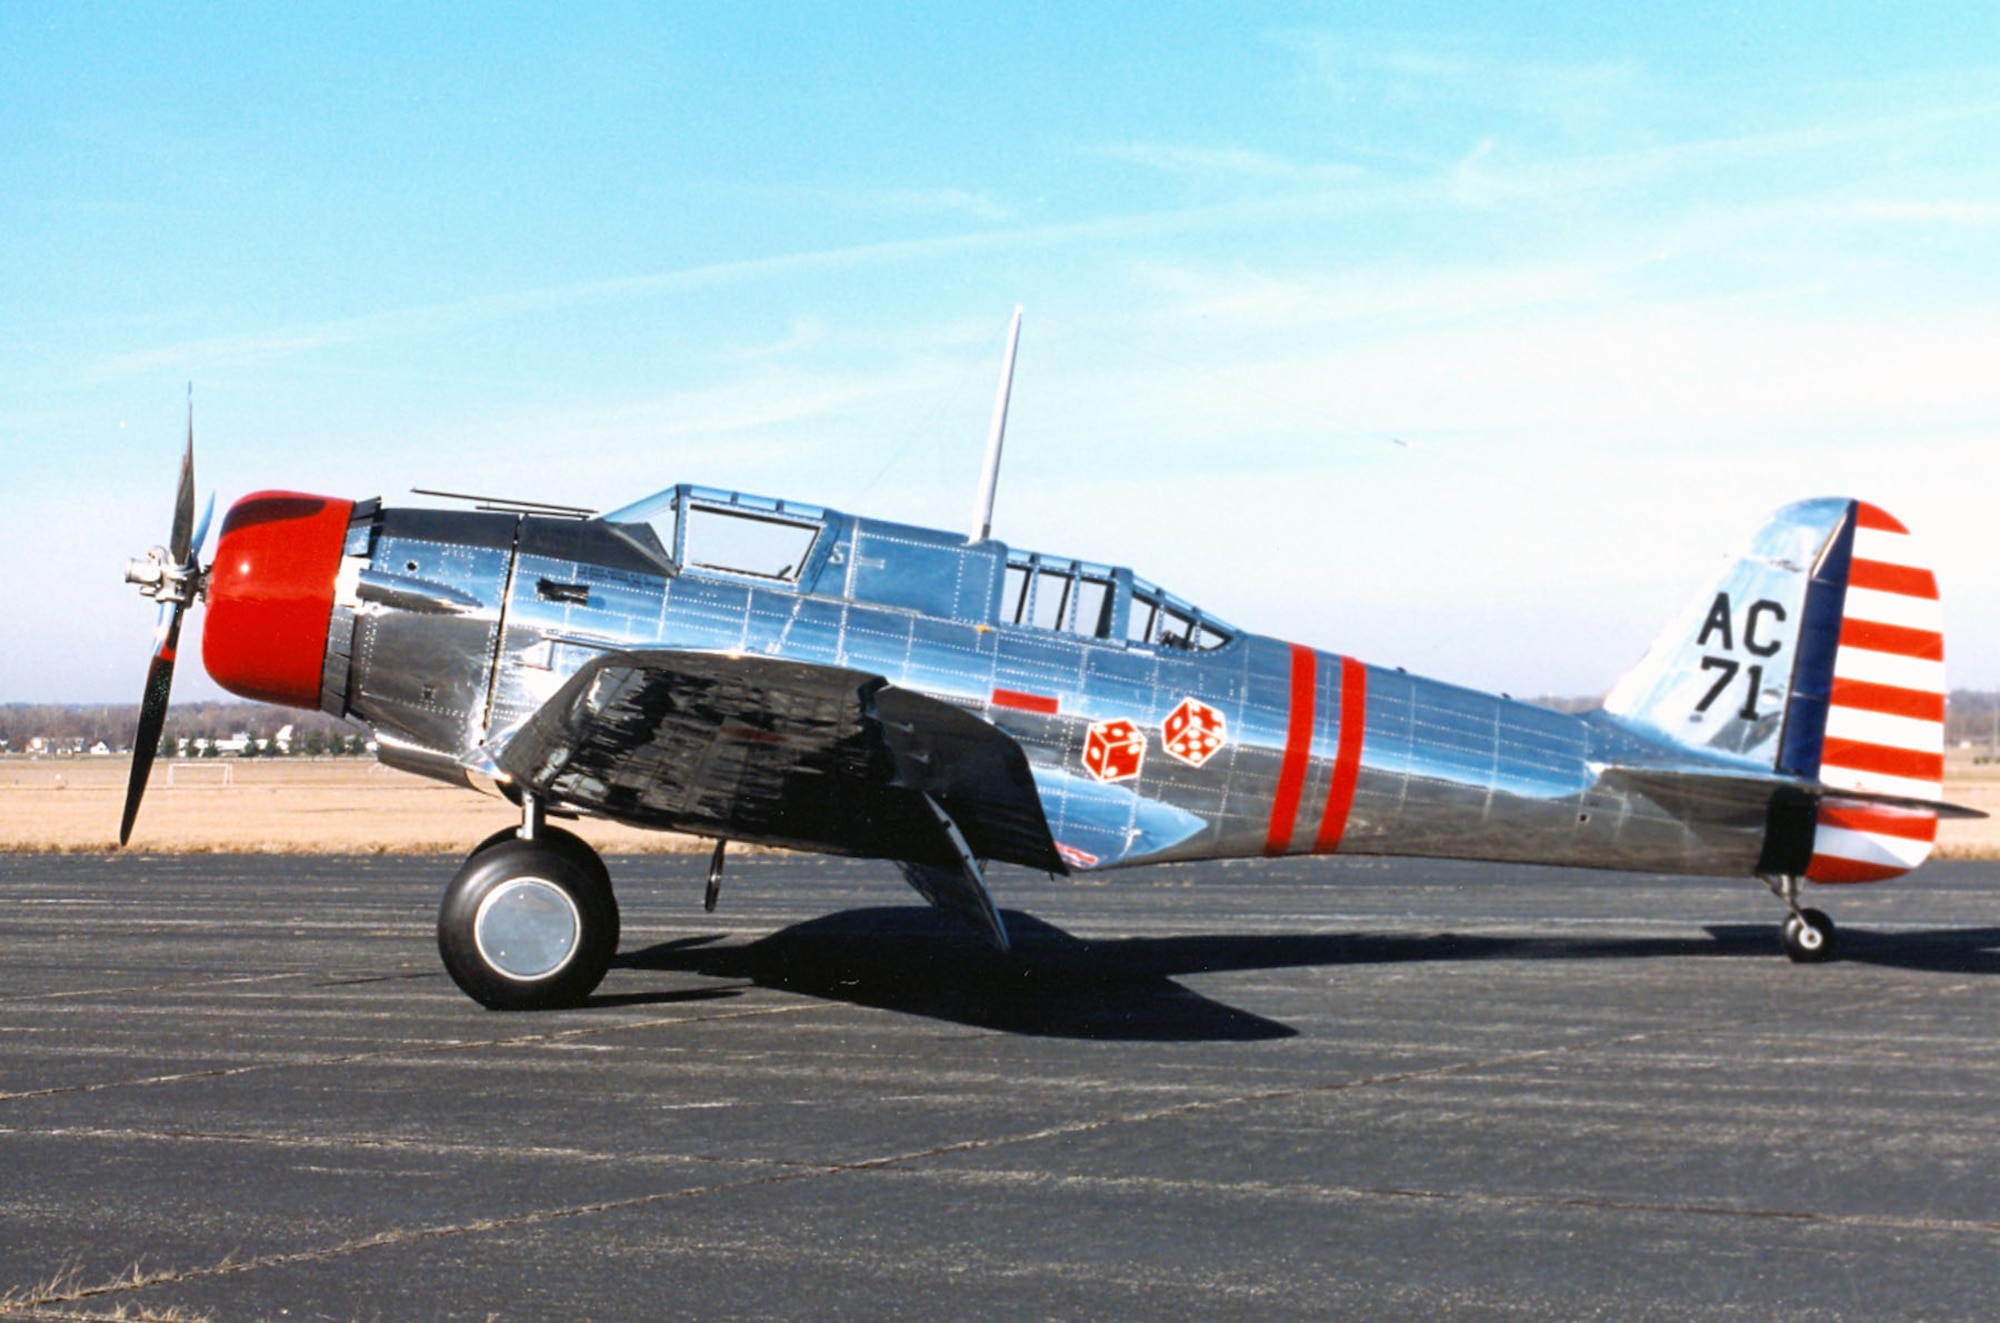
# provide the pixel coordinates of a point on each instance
(1808, 937)
(528, 925)
(555, 838)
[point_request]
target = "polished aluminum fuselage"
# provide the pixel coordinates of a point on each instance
(452, 629)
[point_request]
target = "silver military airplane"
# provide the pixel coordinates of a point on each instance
(764, 670)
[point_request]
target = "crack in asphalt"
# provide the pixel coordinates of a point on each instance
(174, 985)
(37, 1301)
(408, 1050)
(407, 1236)
(1478, 1198)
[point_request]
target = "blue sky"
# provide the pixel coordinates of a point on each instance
(1459, 337)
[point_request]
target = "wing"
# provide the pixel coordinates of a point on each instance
(782, 752)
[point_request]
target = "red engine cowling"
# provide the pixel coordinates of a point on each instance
(270, 595)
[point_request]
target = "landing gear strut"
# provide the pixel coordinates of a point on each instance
(714, 891)
(1807, 934)
(529, 922)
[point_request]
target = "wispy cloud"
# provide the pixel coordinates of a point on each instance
(944, 201)
(284, 342)
(1240, 299)
(1222, 162)
(1976, 214)
(1485, 179)
(197, 356)
(1564, 95)
(1486, 176)
(807, 333)
(400, 323)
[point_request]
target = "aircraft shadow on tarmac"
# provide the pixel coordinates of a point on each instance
(1055, 985)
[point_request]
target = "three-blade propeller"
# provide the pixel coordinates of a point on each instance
(172, 576)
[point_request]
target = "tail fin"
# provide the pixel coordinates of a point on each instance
(1820, 653)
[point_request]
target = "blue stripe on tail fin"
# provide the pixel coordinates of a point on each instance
(1819, 639)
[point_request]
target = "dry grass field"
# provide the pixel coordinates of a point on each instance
(344, 806)
(255, 806)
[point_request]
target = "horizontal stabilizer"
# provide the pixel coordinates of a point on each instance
(1724, 786)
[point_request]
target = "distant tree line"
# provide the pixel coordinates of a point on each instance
(1973, 716)
(189, 725)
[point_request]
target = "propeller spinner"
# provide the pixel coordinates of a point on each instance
(173, 577)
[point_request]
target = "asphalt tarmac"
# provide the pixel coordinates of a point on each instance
(242, 1088)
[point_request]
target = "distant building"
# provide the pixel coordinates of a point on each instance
(100, 750)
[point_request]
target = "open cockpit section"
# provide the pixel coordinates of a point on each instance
(720, 532)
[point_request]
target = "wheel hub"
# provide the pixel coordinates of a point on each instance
(527, 928)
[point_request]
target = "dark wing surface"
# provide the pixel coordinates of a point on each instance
(782, 752)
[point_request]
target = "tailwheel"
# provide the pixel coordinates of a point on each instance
(1808, 936)
(529, 924)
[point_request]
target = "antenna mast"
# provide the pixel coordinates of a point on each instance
(989, 480)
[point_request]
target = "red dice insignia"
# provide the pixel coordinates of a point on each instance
(1193, 732)
(1113, 750)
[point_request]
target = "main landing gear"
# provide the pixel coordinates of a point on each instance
(1807, 934)
(529, 922)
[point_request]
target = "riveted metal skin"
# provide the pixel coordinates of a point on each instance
(421, 675)
(592, 662)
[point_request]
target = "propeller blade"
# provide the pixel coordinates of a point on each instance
(182, 541)
(152, 716)
(201, 531)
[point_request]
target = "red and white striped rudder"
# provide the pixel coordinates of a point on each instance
(1885, 712)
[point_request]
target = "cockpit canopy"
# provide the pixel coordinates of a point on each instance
(706, 530)
(809, 549)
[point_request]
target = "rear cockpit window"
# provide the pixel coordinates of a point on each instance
(1164, 621)
(1059, 595)
(1052, 599)
(1092, 609)
(742, 542)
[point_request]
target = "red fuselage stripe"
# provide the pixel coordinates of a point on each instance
(1347, 756)
(1041, 703)
(1298, 752)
